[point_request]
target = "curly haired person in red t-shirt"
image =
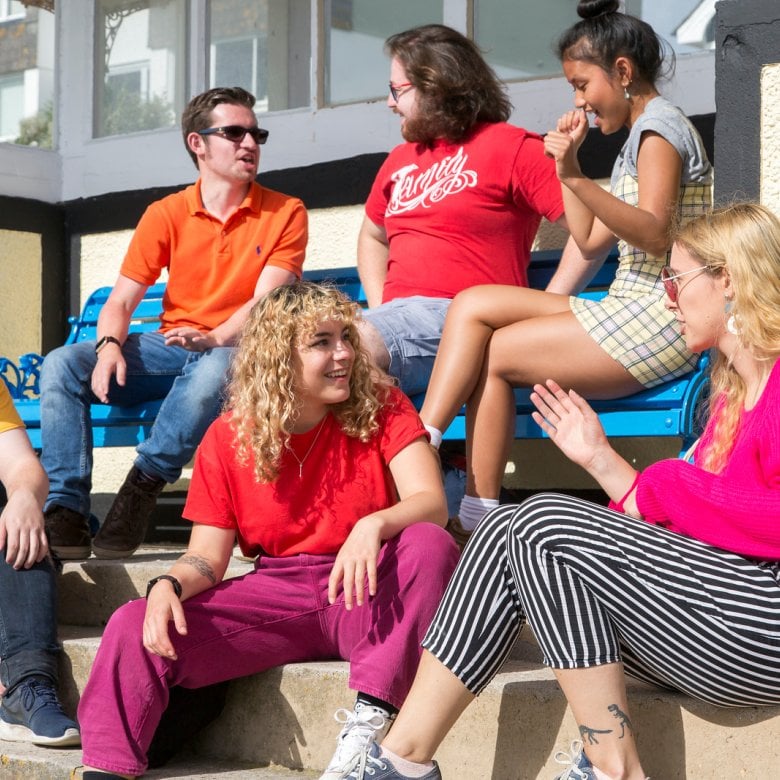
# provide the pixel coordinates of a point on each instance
(322, 469)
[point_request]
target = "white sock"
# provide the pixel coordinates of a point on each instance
(406, 768)
(473, 509)
(435, 434)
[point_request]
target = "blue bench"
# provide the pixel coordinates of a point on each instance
(668, 410)
(113, 426)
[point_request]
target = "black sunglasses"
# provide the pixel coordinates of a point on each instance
(236, 133)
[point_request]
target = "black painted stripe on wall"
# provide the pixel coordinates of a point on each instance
(747, 37)
(324, 185)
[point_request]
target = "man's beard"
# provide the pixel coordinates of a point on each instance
(418, 131)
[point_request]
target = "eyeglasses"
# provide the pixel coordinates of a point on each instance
(396, 90)
(236, 133)
(669, 280)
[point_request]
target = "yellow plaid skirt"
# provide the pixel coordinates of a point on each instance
(639, 333)
(631, 324)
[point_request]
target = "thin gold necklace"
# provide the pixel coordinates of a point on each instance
(302, 460)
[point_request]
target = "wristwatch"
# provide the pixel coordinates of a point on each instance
(107, 340)
(176, 584)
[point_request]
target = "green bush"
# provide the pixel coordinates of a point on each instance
(36, 130)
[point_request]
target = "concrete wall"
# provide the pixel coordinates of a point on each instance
(20, 281)
(770, 137)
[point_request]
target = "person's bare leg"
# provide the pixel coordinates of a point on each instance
(435, 702)
(490, 430)
(472, 318)
(520, 355)
(598, 701)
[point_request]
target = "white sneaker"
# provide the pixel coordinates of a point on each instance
(364, 725)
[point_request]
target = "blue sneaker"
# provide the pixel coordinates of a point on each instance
(31, 713)
(371, 764)
(578, 765)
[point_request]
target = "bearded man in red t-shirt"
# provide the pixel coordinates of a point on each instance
(457, 205)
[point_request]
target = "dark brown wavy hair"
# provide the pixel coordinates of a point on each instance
(456, 88)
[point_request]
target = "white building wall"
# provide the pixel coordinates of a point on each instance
(299, 137)
(770, 137)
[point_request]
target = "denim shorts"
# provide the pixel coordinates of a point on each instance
(411, 329)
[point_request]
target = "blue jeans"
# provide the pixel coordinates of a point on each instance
(190, 382)
(28, 622)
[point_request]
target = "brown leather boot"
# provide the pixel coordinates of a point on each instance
(68, 533)
(124, 528)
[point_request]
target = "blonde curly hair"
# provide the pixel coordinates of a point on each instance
(742, 240)
(261, 394)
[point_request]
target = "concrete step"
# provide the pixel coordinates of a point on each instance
(26, 762)
(90, 591)
(284, 717)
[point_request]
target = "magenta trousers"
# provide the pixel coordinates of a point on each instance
(277, 614)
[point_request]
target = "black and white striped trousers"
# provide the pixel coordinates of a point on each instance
(599, 587)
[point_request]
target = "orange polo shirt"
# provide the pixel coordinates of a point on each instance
(213, 267)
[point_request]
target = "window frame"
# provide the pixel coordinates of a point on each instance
(83, 166)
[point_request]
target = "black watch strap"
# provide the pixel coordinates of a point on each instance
(176, 584)
(107, 340)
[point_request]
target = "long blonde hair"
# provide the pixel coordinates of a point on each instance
(261, 393)
(742, 240)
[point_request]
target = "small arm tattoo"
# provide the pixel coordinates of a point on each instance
(201, 565)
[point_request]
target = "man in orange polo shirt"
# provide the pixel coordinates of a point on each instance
(225, 241)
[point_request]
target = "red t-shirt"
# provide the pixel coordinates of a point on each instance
(460, 214)
(343, 480)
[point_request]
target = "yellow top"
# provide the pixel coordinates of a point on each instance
(9, 417)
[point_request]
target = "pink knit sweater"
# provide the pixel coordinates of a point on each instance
(737, 509)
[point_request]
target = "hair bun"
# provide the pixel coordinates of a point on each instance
(587, 9)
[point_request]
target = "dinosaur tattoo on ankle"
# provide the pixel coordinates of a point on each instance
(623, 718)
(589, 735)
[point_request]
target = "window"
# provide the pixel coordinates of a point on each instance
(26, 74)
(139, 77)
(356, 67)
(11, 105)
(518, 36)
(264, 47)
(11, 9)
